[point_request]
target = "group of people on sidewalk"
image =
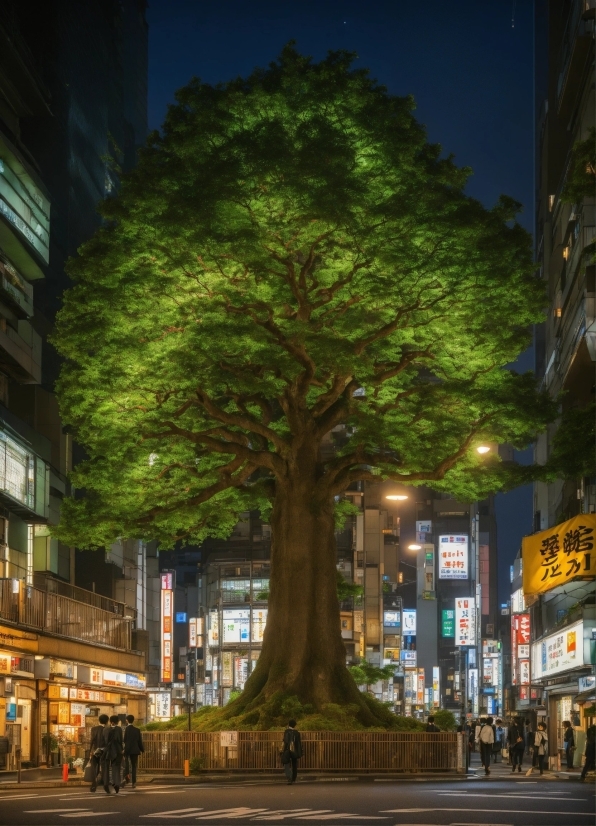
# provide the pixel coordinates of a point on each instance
(111, 746)
(518, 739)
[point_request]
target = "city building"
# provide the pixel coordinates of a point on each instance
(553, 584)
(66, 652)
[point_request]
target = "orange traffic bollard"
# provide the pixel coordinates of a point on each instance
(65, 772)
(187, 768)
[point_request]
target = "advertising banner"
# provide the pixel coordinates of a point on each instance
(448, 623)
(167, 600)
(559, 555)
(259, 621)
(408, 659)
(227, 673)
(465, 621)
(420, 687)
(436, 686)
(213, 636)
(524, 672)
(453, 556)
(192, 632)
(559, 652)
(392, 619)
(523, 629)
(409, 618)
(235, 625)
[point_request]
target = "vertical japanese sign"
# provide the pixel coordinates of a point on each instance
(192, 632)
(524, 672)
(453, 556)
(559, 555)
(465, 621)
(436, 686)
(420, 687)
(167, 609)
(447, 622)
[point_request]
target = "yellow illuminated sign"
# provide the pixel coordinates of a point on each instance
(560, 554)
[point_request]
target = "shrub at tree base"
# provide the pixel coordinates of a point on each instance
(275, 713)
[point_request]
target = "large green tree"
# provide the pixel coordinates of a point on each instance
(292, 292)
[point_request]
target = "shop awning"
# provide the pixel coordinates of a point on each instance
(588, 696)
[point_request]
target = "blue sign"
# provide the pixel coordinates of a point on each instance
(180, 617)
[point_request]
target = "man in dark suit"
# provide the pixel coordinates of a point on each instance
(96, 743)
(133, 746)
(111, 759)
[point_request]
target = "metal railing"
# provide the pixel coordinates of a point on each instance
(29, 607)
(361, 751)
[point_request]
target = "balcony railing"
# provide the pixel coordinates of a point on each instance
(51, 613)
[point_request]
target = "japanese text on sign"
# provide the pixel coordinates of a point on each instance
(465, 621)
(453, 557)
(560, 554)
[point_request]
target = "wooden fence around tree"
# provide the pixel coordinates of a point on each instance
(359, 751)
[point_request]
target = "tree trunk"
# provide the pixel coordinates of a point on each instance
(303, 652)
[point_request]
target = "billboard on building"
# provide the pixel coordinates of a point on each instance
(453, 556)
(167, 611)
(235, 625)
(448, 622)
(436, 686)
(560, 652)
(465, 621)
(409, 623)
(420, 687)
(559, 555)
(392, 619)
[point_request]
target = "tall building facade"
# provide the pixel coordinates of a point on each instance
(553, 585)
(72, 103)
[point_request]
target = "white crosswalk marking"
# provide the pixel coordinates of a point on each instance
(281, 814)
(342, 816)
(239, 811)
(90, 814)
(47, 811)
(177, 813)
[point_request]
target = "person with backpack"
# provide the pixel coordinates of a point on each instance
(291, 751)
(111, 758)
(430, 725)
(486, 738)
(517, 745)
(569, 741)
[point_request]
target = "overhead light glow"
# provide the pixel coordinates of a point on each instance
(397, 497)
(483, 449)
(414, 547)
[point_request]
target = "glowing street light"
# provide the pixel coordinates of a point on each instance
(483, 449)
(414, 547)
(397, 497)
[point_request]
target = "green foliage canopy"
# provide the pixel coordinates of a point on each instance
(291, 259)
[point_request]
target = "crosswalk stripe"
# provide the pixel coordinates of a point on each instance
(342, 816)
(239, 811)
(47, 811)
(281, 814)
(177, 812)
(90, 814)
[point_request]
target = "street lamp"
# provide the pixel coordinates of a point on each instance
(483, 449)
(414, 547)
(397, 497)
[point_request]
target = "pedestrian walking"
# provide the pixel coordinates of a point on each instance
(515, 738)
(540, 746)
(589, 764)
(499, 740)
(96, 749)
(430, 725)
(486, 740)
(133, 746)
(111, 758)
(291, 751)
(569, 742)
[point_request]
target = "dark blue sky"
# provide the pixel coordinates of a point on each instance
(469, 69)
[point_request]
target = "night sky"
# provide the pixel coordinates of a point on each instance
(469, 69)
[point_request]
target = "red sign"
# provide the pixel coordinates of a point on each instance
(523, 629)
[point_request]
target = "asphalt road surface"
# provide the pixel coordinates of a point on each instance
(467, 802)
